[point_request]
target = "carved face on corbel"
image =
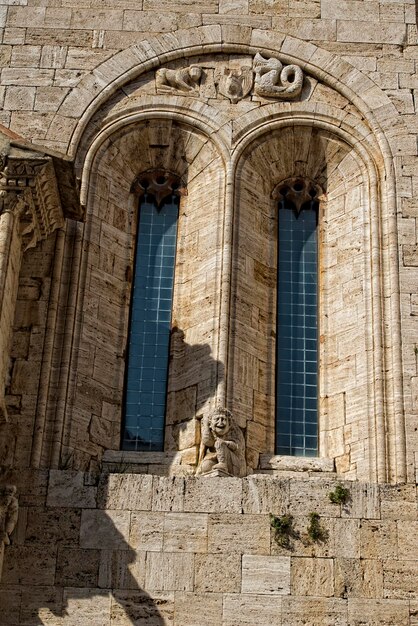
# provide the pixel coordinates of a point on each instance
(220, 422)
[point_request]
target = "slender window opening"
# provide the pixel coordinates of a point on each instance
(150, 317)
(297, 320)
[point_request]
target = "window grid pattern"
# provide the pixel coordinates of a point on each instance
(297, 324)
(149, 337)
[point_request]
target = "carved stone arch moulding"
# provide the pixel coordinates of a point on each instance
(164, 151)
(126, 66)
(373, 131)
(375, 196)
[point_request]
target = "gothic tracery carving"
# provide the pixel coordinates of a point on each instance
(298, 190)
(160, 184)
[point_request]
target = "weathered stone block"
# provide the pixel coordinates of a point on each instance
(91, 606)
(213, 495)
(125, 491)
(249, 534)
(266, 575)
(185, 533)
(67, 489)
(217, 573)
(168, 493)
(26, 565)
(52, 526)
(312, 577)
(147, 531)
(247, 610)
(77, 568)
(358, 578)
(108, 529)
(122, 569)
(202, 609)
(378, 540)
(263, 494)
(169, 571)
(378, 612)
(400, 579)
(137, 607)
(407, 540)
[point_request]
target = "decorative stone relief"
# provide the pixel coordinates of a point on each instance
(236, 84)
(184, 81)
(160, 184)
(268, 78)
(222, 448)
(9, 507)
(30, 190)
(273, 80)
(298, 190)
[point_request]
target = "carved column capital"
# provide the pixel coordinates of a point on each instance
(28, 189)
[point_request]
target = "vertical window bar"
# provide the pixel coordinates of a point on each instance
(150, 322)
(297, 328)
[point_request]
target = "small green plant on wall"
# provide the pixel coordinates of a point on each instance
(340, 495)
(283, 530)
(315, 530)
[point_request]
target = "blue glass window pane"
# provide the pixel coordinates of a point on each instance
(297, 322)
(149, 333)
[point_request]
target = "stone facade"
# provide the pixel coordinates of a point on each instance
(143, 549)
(233, 97)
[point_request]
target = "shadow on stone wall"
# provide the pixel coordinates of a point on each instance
(71, 561)
(194, 379)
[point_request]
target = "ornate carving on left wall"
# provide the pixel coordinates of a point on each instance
(9, 508)
(29, 189)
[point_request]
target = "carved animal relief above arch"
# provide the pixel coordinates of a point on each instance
(267, 78)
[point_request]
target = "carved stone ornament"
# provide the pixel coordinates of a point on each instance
(222, 448)
(183, 81)
(160, 184)
(29, 189)
(9, 508)
(273, 80)
(236, 84)
(299, 191)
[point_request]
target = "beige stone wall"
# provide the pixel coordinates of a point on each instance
(153, 550)
(70, 72)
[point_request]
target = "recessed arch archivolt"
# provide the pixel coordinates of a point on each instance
(346, 160)
(201, 120)
(103, 82)
(365, 135)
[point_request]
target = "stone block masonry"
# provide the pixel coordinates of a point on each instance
(102, 551)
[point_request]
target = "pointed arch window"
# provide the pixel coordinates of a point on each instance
(297, 319)
(146, 373)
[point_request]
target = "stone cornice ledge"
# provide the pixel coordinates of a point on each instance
(141, 458)
(296, 463)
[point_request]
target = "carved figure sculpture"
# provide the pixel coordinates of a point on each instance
(181, 81)
(272, 80)
(222, 445)
(9, 507)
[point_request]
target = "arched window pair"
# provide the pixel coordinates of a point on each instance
(297, 315)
